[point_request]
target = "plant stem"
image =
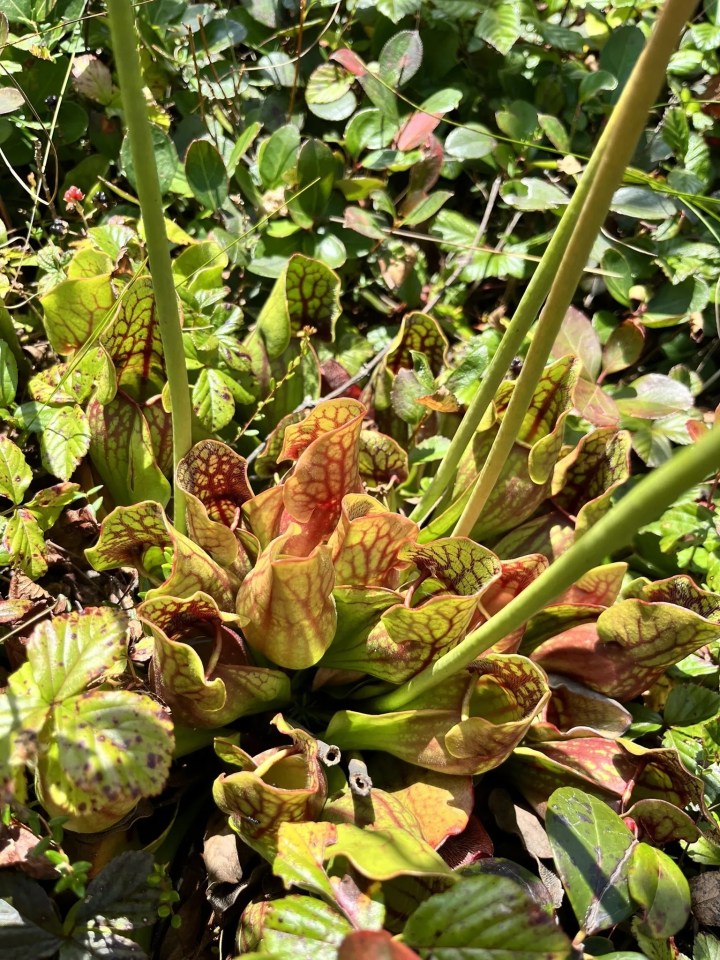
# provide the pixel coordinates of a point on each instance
(127, 61)
(603, 175)
(674, 15)
(649, 498)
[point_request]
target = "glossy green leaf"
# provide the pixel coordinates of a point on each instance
(277, 155)
(206, 174)
(212, 400)
(385, 854)
(302, 928)
(400, 58)
(300, 857)
(64, 441)
(120, 894)
(8, 375)
(658, 886)
(485, 917)
(166, 159)
(29, 924)
(592, 849)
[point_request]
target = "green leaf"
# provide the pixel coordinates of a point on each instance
(29, 924)
(395, 10)
(469, 142)
(500, 25)
(676, 131)
(400, 58)
(206, 174)
(531, 193)
(166, 159)
(592, 849)
(72, 651)
(483, 918)
(594, 83)
(120, 895)
(8, 375)
(277, 155)
(316, 175)
(673, 303)
(24, 541)
(642, 203)
(212, 400)
(659, 887)
(15, 474)
(385, 854)
(301, 854)
(64, 441)
(620, 54)
(306, 292)
(302, 928)
(688, 704)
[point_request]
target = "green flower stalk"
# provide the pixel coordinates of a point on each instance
(127, 61)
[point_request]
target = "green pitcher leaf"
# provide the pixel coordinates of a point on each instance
(15, 474)
(286, 603)
(108, 750)
(126, 536)
(482, 918)
(468, 729)
(658, 886)
(135, 344)
(385, 854)
(287, 784)
(418, 333)
(74, 309)
(305, 294)
(200, 664)
(74, 650)
(123, 450)
(367, 542)
(592, 849)
(460, 564)
(381, 460)
(632, 644)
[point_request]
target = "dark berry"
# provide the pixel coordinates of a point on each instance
(51, 101)
(101, 200)
(516, 366)
(58, 227)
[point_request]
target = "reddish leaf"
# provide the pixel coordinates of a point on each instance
(424, 175)
(352, 63)
(624, 346)
(595, 405)
(416, 130)
(600, 586)
(577, 337)
(325, 446)
(575, 711)
(660, 822)
(374, 945)
(473, 844)
(265, 515)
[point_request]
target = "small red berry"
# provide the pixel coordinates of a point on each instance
(73, 195)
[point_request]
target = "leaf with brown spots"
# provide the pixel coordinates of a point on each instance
(107, 749)
(200, 664)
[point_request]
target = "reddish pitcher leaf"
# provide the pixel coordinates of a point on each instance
(366, 543)
(381, 459)
(135, 344)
